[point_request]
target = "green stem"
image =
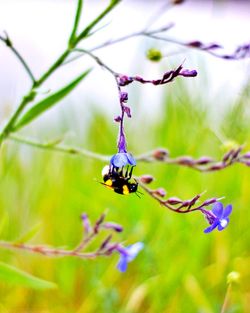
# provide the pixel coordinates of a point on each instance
(7, 129)
(87, 30)
(9, 44)
(54, 67)
(60, 148)
(226, 299)
(76, 23)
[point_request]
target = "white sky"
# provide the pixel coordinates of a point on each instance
(39, 29)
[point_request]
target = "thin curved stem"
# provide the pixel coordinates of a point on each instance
(9, 44)
(60, 148)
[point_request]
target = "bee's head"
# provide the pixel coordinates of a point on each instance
(133, 187)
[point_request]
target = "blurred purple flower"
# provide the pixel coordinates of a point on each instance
(128, 254)
(218, 217)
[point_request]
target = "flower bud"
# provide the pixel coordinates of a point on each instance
(146, 179)
(174, 200)
(86, 223)
(186, 160)
(233, 277)
(216, 167)
(123, 96)
(203, 160)
(154, 55)
(160, 154)
(246, 155)
(116, 227)
(228, 155)
(209, 201)
(105, 242)
(161, 192)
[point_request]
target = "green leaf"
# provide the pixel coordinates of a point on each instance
(29, 234)
(12, 275)
(4, 221)
(48, 102)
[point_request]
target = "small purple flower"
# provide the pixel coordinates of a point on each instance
(128, 254)
(121, 159)
(218, 217)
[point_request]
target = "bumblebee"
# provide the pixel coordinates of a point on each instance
(115, 179)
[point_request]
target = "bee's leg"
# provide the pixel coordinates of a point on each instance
(126, 173)
(130, 173)
(114, 170)
(121, 171)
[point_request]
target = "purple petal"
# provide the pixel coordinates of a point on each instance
(227, 210)
(119, 160)
(133, 250)
(122, 159)
(218, 209)
(131, 160)
(212, 227)
(122, 264)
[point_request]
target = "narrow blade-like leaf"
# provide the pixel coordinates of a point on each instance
(29, 234)
(12, 275)
(48, 102)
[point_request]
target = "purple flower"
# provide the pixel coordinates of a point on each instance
(218, 217)
(128, 254)
(121, 159)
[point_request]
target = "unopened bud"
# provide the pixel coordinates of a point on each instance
(233, 277)
(195, 44)
(116, 227)
(146, 179)
(105, 242)
(203, 160)
(236, 152)
(161, 192)
(126, 109)
(174, 201)
(185, 160)
(216, 167)
(160, 154)
(86, 223)
(209, 201)
(246, 155)
(117, 119)
(98, 223)
(154, 55)
(123, 96)
(124, 80)
(228, 155)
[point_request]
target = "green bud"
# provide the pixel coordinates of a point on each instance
(233, 277)
(154, 55)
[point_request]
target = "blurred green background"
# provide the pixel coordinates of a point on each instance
(181, 269)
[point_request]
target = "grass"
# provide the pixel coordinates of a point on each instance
(181, 269)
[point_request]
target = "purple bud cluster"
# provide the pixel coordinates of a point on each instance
(106, 248)
(204, 163)
(241, 52)
(215, 217)
(166, 78)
